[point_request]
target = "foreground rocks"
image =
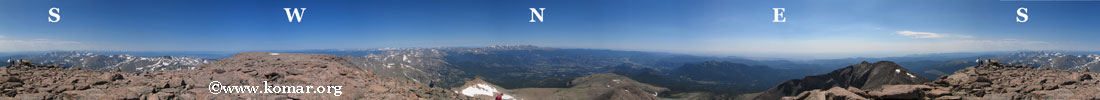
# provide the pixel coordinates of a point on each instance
(985, 82)
(31, 82)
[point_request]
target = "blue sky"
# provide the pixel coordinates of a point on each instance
(814, 28)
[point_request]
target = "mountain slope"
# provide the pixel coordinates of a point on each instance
(592, 87)
(735, 73)
(420, 65)
(983, 82)
(863, 76)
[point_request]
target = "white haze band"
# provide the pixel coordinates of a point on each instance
(217, 87)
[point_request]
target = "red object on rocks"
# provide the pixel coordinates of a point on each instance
(499, 95)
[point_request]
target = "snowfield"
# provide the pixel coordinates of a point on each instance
(482, 89)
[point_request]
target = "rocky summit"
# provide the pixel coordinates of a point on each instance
(859, 76)
(983, 82)
(33, 82)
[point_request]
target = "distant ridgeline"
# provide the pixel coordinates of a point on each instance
(127, 63)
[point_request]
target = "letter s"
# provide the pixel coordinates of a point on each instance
(1021, 14)
(54, 14)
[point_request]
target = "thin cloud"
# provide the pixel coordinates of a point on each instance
(930, 35)
(1002, 42)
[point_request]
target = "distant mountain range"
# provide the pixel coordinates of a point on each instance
(1052, 60)
(124, 62)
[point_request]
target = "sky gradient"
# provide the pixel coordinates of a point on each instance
(814, 28)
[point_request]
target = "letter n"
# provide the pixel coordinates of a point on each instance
(537, 13)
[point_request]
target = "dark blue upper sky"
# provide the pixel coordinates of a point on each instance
(814, 28)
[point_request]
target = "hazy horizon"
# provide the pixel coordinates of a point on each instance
(748, 55)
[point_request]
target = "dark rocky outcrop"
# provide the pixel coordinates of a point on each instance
(989, 82)
(862, 76)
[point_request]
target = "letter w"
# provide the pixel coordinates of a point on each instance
(290, 17)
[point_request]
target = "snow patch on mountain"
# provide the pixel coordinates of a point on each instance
(89, 60)
(483, 89)
(1052, 60)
